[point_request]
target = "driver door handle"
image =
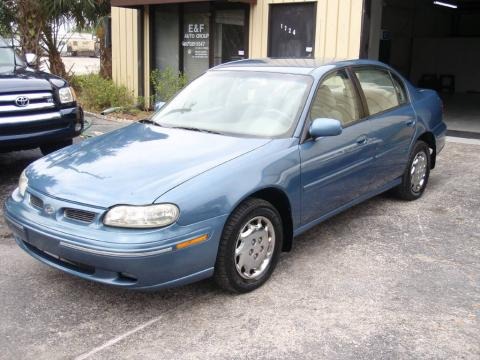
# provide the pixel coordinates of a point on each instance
(410, 122)
(362, 140)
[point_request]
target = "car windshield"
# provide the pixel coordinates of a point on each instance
(245, 103)
(8, 58)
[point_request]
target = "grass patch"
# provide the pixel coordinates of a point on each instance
(167, 83)
(96, 94)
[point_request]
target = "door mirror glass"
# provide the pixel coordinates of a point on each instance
(325, 127)
(31, 59)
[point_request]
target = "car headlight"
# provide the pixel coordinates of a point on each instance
(150, 216)
(22, 184)
(66, 95)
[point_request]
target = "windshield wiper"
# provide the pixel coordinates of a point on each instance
(180, 110)
(196, 129)
(149, 121)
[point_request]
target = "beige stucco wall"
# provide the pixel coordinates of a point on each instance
(146, 55)
(125, 48)
(338, 28)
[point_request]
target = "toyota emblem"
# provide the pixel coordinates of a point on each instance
(22, 101)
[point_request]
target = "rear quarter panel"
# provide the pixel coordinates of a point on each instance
(429, 109)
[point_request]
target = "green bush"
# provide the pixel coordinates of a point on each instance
(166, 83)
(96, 93)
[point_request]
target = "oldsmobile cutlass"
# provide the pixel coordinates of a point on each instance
(223, 178)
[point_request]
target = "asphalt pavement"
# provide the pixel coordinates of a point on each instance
(385, 279)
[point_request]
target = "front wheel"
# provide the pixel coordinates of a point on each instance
(415, 178)
(250, 246)
(49, 148)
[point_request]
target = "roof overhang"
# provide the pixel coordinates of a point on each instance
(136, 3)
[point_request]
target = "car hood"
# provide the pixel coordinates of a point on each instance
(134, 165)
(26, 80)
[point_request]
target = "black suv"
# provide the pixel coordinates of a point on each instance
(37, 109)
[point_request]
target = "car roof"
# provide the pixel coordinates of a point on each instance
(292, 66)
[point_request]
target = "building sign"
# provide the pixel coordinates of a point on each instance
(196, 40)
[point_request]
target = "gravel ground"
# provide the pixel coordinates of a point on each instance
(385, 279)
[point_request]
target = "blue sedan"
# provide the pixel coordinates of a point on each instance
(223, 177)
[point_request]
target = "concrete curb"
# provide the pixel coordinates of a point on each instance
(108, 118)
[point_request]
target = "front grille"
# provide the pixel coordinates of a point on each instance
(32, 102)
(36, 201)
(79, 215)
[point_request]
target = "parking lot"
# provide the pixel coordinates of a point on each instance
(386, 279)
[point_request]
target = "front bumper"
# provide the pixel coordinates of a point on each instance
(33, 130)
(152, 263)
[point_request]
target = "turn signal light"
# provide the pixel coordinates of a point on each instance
(191, 242)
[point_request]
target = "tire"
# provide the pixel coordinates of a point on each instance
(411, 188)
(49, 148)
(237, 248)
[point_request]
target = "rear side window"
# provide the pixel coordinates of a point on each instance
(379, 90)
(400, 87)
(336, 99)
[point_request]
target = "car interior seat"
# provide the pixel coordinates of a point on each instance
(379, 99)
(325, 105)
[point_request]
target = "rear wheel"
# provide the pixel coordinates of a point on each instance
(49, 148)
(250, 246)
(415, 178)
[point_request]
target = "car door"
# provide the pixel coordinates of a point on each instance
(335, 170)
(392, 120)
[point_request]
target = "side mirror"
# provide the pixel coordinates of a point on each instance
(325, 127)
(31, 59)
(159, 105)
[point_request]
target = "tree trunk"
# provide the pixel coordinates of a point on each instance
(57, 66)
(30, 25)
(105, 54)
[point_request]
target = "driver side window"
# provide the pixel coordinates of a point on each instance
(336, 99)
